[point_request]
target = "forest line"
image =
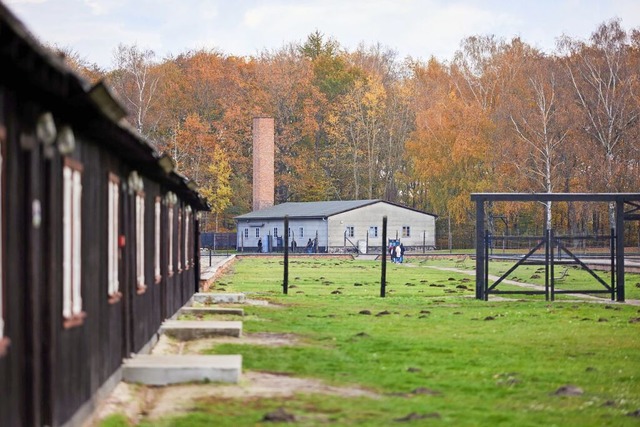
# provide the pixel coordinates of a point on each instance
(499, 116)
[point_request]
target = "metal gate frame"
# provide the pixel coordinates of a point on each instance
(619, 199)
(549, 242)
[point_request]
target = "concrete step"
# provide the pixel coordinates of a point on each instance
(174, 369)
(211, 310)
(211, 298)
(186, 330)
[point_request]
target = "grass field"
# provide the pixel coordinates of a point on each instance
(431, 353)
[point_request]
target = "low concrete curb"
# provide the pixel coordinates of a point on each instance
(211, 298)
(174, 369)
(210, 310)
(187, 330)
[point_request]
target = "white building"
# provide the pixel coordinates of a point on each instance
(336, 226)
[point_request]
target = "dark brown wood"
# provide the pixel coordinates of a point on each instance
(53, 367)
(481, 284)
(12, 367)
(619, 251)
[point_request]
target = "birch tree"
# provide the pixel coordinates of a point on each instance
(604, 86)
(538, 125)
(135, 81)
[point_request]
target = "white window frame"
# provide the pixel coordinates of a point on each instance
(373, 231)
(351, 231)
(2, 336)
(140, 253)
(301, 232)
(113, 283)
(72, 240)
(246, 233)
(406, 231)
(257, 233)
(275, 231)
(170, 263)
(156, 253)
(179, 239)
(187, 218)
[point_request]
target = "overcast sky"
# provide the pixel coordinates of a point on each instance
(417, 28)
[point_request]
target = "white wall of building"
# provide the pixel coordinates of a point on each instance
(275, 227)
(420, 226)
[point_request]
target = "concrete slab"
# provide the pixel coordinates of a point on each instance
(186, 330)
(211, 310)
(174, 369)
(211, 298)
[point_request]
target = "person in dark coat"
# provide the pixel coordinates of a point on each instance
(260, 245)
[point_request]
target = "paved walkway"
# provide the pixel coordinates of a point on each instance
(209, 266)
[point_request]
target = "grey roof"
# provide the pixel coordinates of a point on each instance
(312, 209)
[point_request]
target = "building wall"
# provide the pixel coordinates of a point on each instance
(421, 226)
(13, 363)
(50, 373)
(309, 226)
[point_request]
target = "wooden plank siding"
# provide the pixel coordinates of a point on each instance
(52, 368)
(13, 405)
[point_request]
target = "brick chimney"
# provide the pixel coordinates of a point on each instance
(263, 162)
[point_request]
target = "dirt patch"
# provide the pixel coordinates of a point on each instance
(166, 345)
(125, 399)
(138, 402)
(178, 399)
(264, 339)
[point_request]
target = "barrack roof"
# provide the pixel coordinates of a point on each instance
(314, 209)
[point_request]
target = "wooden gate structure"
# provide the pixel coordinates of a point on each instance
(627, 208)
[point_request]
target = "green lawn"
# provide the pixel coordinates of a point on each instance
(430, 349)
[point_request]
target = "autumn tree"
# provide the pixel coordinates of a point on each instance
(539, 124)
(356, 123)
(285, 77)
(449, 147)
(91, 71)
(221, 92)
(193, 147)
(135, 81)
(333, 77)
(604, 84)
(497, 116)
(217, 184)
(397, 118)
(476, 73)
